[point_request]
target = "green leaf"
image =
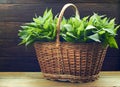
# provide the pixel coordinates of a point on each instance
(45, 12)
(71, 35)
(24, 27)
(101, 32)
(112, 42)
(94, 37)
(80, 28)
(112, 22)
(37, 21)
(29, 42)
(68, 27)
(54, 30)
(67, 38)
(46, 24)
(32, 24)
(64, 21)
(116, 29)
(89, 27)
(85, 18)
(48, 15)
(105, 20)
(111, 31)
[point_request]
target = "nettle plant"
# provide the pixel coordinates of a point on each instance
(95, 28)
(43, 28)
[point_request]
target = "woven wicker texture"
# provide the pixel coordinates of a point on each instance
(74, 62)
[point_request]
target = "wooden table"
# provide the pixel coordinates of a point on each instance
(35, 79)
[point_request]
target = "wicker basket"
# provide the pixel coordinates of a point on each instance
(74, 62)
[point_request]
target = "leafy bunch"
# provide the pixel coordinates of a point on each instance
(95, 28)
(43, 28)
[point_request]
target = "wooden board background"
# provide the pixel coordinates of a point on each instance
(14, 13)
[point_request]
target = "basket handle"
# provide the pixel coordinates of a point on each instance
(60, 19)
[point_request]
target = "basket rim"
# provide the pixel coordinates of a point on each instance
(70, 42)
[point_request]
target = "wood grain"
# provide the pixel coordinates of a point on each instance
(57, 1)
(14, 13)
(35, 79)
(9, 30)
(25, 12)
(11, 48)
(14, 64)
(82, 1)
(20, 1)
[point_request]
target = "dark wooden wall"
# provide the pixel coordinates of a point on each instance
(14, 13)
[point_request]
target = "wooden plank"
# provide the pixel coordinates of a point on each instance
(9, 41)
(12, 15)
(9, 30)
(113, 65)
(36, 79)
(10, 51)
(31, 64)
(19, 64)
(57, 1)
(6, 43)
(112, 52)
(25, 12)
(20, 1)
(82, 1)
(16, 51)
(11, 48)
(22, 75)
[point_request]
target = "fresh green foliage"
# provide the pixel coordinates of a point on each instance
(41, 29)
(95, 28)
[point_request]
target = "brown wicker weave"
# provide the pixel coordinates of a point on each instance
(74, 62)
